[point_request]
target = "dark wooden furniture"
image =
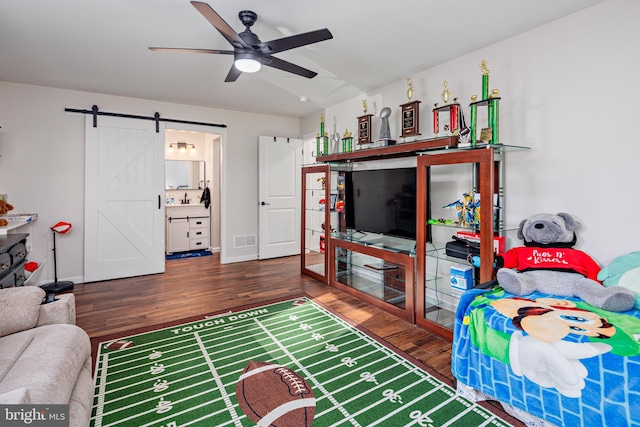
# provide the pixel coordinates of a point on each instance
(375, 274)
(487, 171)
(406, 149)
(314, 259)
(419, 293)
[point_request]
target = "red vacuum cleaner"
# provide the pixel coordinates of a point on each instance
(57, 286)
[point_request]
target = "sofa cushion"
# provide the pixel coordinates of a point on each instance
(19, 396)
(45, 360)
(20, 308)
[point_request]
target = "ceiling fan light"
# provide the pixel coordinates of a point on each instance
(247, 63)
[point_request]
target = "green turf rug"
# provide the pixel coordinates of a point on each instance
(290, 363)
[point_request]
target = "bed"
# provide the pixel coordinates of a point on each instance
(568, 364)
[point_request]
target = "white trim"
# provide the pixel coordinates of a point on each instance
(243, 258)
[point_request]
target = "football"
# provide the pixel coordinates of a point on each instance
(118, 345)
(274, 395)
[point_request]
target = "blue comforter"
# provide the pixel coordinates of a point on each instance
(557, 358)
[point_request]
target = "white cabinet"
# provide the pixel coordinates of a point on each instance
(198, 233)
(177, 235)
(187, 228)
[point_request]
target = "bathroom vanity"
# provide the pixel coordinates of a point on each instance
(187, 227)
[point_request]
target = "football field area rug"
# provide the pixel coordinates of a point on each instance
(288, 363)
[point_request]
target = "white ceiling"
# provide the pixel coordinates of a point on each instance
(101, 46)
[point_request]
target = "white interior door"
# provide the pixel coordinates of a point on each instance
(280, 160)
(124, 203)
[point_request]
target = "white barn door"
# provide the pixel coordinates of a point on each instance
(280, 162)
(124, 198)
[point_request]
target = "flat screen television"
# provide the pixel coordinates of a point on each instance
(381, 201)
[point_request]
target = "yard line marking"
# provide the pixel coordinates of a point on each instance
(361, 379)
(173, 415)
(101, 390)
(401, 408)
(360, 367)
(223, 391)
(341, 356)
(307, 374)
(466, 411)
(358, 396)
(127, 396)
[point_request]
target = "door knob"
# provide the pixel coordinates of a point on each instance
(264, 203)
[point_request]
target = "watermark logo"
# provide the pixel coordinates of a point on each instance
(34, 415)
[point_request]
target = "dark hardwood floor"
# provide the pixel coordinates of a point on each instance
(196, 286)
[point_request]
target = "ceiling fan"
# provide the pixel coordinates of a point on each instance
(248, 51)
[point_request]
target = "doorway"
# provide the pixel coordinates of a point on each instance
(203, 152)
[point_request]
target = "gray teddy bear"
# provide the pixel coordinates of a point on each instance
(548, 263)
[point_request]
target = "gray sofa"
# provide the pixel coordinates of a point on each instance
(44, 357)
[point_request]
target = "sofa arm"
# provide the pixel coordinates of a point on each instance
(19, 396)
(19, 308)
(61, 310)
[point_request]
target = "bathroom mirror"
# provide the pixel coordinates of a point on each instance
(184, 174)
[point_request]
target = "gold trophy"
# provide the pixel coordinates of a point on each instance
(410, 114)
(410, 90)
(446, 95)
(364, 126)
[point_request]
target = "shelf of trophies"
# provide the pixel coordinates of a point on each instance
(405, 149)
(361, 265)
(376, 269)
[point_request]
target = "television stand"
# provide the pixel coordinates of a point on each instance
(375, 268)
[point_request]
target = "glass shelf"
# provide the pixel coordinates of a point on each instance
(314, 259)
(479, 146)
(389, 243)
(382, 280)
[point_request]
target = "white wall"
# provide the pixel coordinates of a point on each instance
(42, 163)
(569, 91)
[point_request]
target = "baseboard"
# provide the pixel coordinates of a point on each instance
(239, 259)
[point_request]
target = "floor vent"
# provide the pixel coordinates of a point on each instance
(244, 241)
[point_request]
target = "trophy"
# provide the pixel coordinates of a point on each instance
(385, 133)
(410, 114)
(445, 95)
(364, 126)
(322, 140)
(453, 109)
(491, 100)
(485, 79)
(347, 140)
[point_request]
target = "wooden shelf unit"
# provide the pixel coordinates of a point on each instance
(487, 170)
(387, 286)
(432, 152)
(313, 261)
(405, 149)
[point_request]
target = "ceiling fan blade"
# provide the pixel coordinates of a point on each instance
(290, 42)
(220, 24)
(187, 50)
(280, 64)
(233, 75)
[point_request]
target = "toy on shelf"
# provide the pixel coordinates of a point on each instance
(4, 209)
(468, 210)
